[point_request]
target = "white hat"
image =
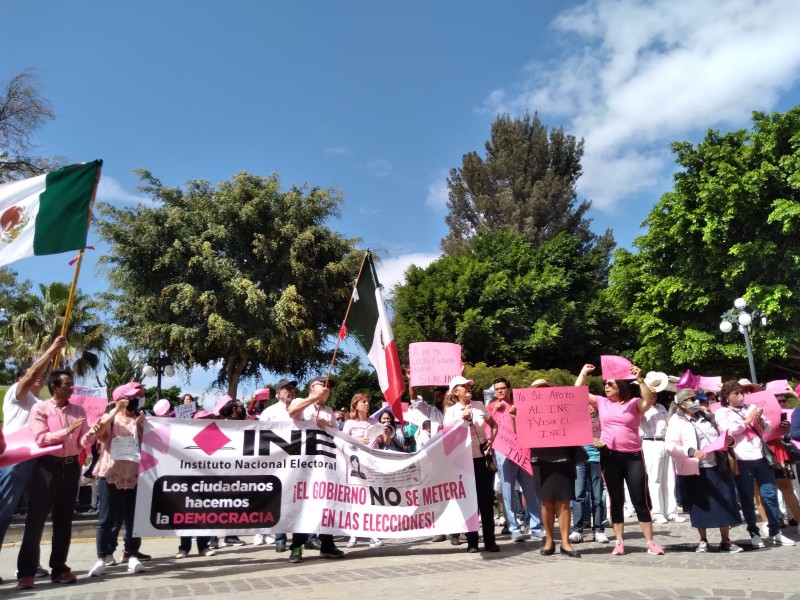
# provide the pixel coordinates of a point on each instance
(657, 380)
(460, 380)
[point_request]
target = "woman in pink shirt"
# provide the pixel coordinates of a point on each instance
(621, 460)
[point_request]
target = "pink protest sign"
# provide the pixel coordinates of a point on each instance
(506, 442)
(714, 407)
(709, 384)
(433, 363)
(772, 411)
(20, 447)
(93, 400)
(549, 417)
(717, 445)
(615, 367)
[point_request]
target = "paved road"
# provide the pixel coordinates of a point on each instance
(420, 568)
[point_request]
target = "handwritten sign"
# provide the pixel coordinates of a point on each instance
(507, 444)
(93, 400)
(185, 411)
(772, 412)
(433, 363)
(615, 367)
(549, 417)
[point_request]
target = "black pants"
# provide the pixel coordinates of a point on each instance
(620, 469)
(484, 485)
(326, 539)
(54, 487)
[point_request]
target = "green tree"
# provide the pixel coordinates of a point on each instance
(10, 292)
(352, 379)
(121, 367)
(526, 184)
(22, 112)
(729, 228)
(244, 273)
(509, 301)
(37, 319)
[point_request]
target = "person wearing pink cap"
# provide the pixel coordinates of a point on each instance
(465, 410)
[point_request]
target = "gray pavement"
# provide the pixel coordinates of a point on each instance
(420, 568)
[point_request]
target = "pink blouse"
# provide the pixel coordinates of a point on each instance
(619, 422)
(123, 474)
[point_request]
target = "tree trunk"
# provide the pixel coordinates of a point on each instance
(234, 368)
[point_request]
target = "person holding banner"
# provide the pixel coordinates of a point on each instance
(54, 480)
(119, 433)
(621, 458)
(18, 402)
(701, 463)
(475, 415)
(746, 423)
(313, 409)
(511, 472)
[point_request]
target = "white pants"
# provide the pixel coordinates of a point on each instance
(660, 478)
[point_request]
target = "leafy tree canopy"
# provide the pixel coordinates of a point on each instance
(729, 228)
(509, 301)
(526, 184)
(239, 277)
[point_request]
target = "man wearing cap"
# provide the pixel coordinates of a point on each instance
(660, 474)
(17, 405)
(54, 480)
(313, 409)
(285, 391)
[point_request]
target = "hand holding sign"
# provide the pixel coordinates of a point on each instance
(616, 367)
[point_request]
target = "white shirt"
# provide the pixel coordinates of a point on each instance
(310, 413)
(275, 412)
(477, 431)
(17, 411)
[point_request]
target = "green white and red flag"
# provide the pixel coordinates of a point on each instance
(47, 214)
(369, 323)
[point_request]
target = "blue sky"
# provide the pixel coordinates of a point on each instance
(381, 99)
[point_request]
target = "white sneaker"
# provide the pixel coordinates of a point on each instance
(517, 536)
(207, 552)
(756, 541)
(258, 539)
(375, 543)
(676, 518)
(575, 536)
(181, 554)
(661, 520)
(352, 542)
(764, 530)
(780, 540)
(600, 537)
(702, 546)
(269, 540)
(134, 566)
(98, 569)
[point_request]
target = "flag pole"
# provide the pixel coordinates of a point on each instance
(346, 314)
(79, 261)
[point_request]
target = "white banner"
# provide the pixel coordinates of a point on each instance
(201, 477)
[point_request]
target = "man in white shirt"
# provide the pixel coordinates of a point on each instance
(17, 404)
(285, 391)
(314, 409)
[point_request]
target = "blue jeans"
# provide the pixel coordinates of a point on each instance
(14, 482)
(760, 472)
(588, 501)
(510, 472)
(115, 505)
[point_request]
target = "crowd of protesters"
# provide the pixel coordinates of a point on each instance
(646, 459)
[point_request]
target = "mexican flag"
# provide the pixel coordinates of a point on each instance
(370, 325)
(47, 214)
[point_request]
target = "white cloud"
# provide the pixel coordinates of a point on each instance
(380, 167)
(391, 270)
(110, 190)
(437, 193)
(635, 75)
(336, 150)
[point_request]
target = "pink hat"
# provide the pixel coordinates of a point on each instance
(220, 403)
(202, 414)
(125, 390)
(161, 407)
(262, 394)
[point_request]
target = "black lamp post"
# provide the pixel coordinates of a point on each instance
(743, 317)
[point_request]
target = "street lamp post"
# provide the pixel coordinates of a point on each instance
(742, 316)
(161, 366)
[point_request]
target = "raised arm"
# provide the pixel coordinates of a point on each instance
(38, 368)
(581, 380)
(648, 398)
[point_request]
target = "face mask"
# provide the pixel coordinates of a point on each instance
(339, 424)
(694, 407)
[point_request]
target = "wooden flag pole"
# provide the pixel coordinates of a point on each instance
(79, 261)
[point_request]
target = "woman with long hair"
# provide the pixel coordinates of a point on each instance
(621, 460)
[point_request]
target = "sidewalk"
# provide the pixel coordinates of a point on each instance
(420, 568)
